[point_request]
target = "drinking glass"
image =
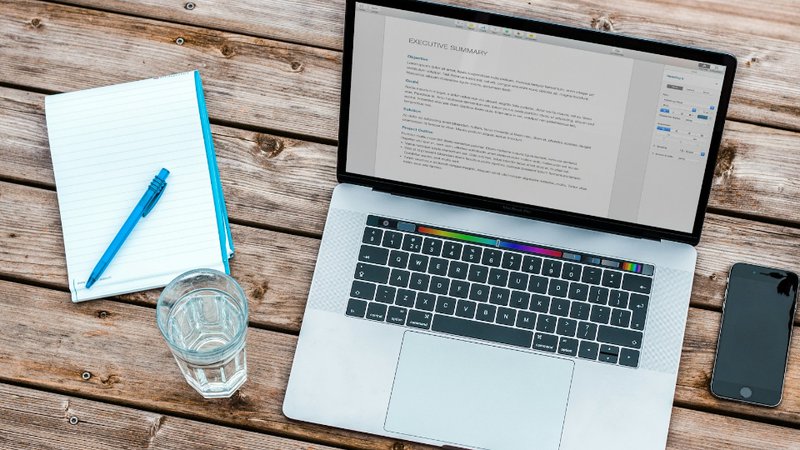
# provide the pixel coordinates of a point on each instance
(202, 315)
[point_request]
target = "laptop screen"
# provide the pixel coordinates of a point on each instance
(530, 118)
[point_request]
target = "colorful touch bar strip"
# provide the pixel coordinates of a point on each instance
(531, 249)
(631, 267)
(459, 236)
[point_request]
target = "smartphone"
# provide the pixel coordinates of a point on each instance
(753, 345)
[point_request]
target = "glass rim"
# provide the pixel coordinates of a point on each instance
(240, 334)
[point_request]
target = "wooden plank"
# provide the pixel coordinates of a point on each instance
(701, 431)
(138, 371)
(286, 183)
(766, 90)
(41, 420)
(275, 268)
(262, 83)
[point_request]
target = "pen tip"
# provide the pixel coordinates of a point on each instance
(163, 173)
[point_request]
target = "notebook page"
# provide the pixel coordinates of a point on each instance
(107, 144)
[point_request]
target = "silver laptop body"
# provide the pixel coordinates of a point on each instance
(481, 362)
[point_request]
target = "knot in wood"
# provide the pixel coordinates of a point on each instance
(227, 51)
(296, 66)
(398, 446)
(36, 23)
(603, 23)
(268, 145)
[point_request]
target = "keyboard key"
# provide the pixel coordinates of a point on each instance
(491, 257)
(519, 299)
(412, 243)
(466, 308)
(558, 288)
(439, 285)
(375, 255)
(551, 268)
(356, 308)
(537, 284)
(540, 303)
(405, 298)
(608, 354)
(546, 323)
(518, 280)
(618, 299)
(438, 266)
(458, 270)
(638, 318)
(506, 316)
(376, 311)
(600, 314)
(545, 342)
(363, 290)
(418, 263)
(638, 304)
(478, 274)
(566, 327)
(445, 305)
(471, 254)
(369, 272)
(620, 336)
(612, 278)
(425, 301)
(578, 291)
(459, 288)
(591, 275)
(419, 319)
(568, 346)
(588, 350)
(629, 357)
(451, 250)
(571, 272)
(559, 307)
(419, 281)
(399, 278)
(480, 330)
(372, 236)
(637, 283)
(598, 295)
(511, 261)
(397, 315)
(385, 294)
(499, 296)
(431, 246)
(531, 264)
(580, 310)
(620, 318)
(498, 277)
(587, 331)
(398, 259)
(392, 239)
(485, 312)
(479, 292)
(526, 320)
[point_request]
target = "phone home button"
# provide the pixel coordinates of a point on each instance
(746, 392)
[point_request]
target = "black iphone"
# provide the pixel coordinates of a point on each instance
(753, 347)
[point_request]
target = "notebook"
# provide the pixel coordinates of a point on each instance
(107, 144)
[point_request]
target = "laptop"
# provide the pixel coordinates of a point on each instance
(508, 258)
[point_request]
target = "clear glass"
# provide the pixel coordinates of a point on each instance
(202, 315)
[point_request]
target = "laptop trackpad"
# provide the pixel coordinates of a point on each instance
(478, 396)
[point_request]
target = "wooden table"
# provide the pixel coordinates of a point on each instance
(97, 374)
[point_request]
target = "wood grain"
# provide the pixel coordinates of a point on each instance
(285, 183)
(44, 353)
(41, 420)
(247, 80)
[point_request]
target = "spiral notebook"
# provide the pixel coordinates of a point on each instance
(107, 144)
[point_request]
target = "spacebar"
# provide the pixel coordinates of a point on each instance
(481, 330)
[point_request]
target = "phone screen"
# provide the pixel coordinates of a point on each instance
(754, 336)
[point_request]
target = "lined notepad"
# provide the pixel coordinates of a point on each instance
(107, 144)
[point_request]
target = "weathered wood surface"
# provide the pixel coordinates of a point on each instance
(284, 183)
(263, 83)
(41, 420)
(53, 354)
(275, 268)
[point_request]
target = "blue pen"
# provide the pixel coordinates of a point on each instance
(145, 205)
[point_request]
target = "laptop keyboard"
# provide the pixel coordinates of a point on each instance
(476, 286)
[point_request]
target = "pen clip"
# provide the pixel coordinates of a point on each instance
(153, 201)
